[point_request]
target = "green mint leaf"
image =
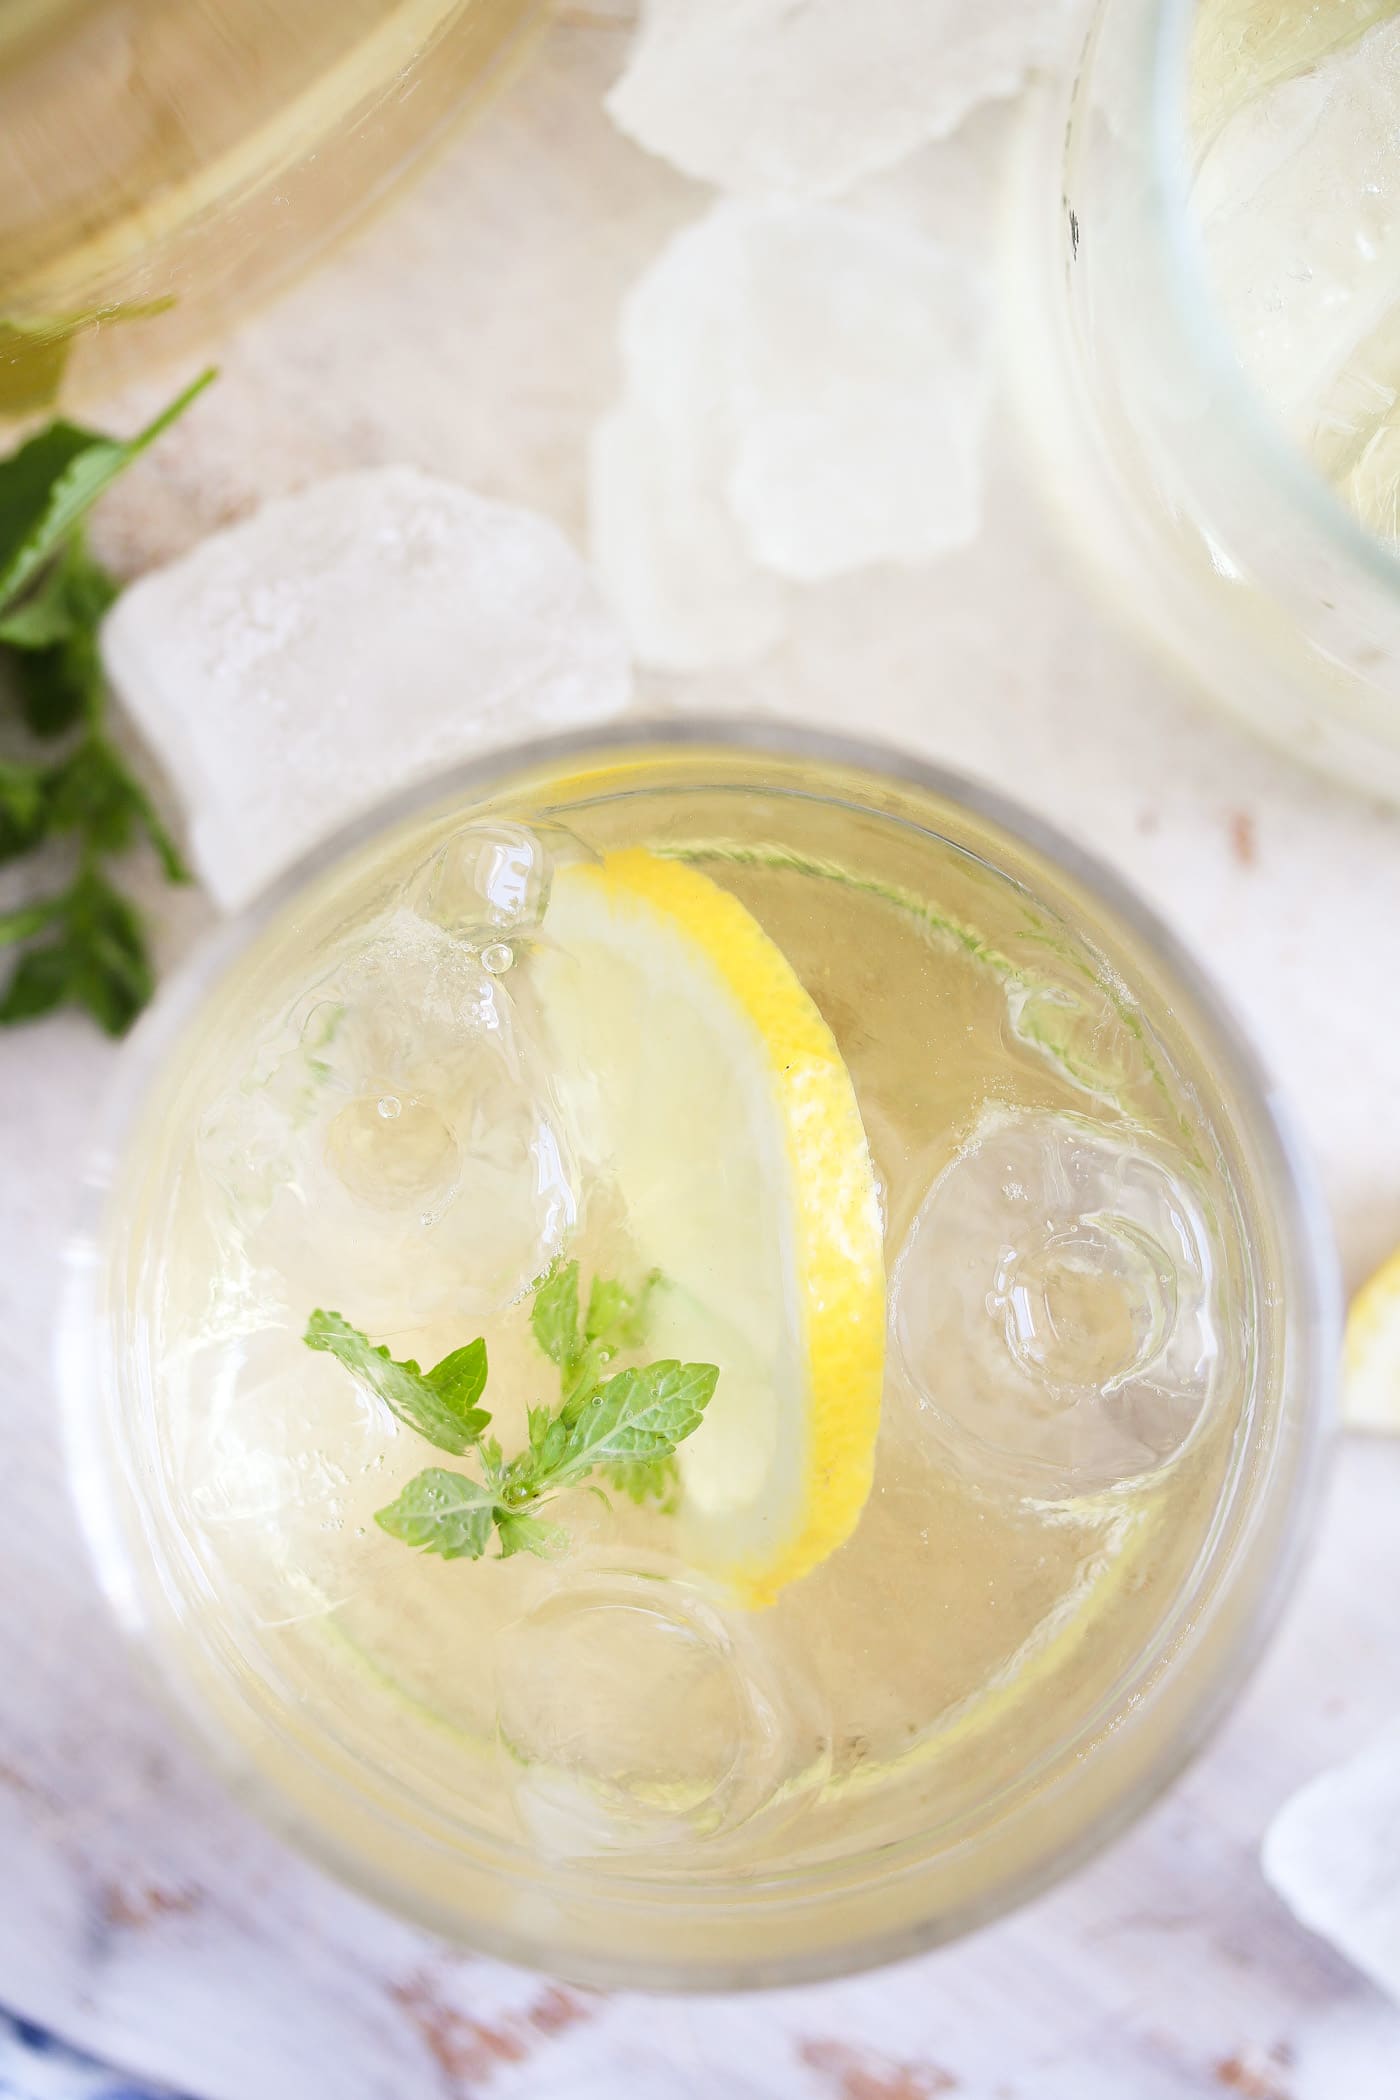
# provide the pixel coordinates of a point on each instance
(554, 1317)
(617, 1315)
(460, 1380)
(28, 919)
(23, 810)
(60, 687)
(53, 631)
(110, 965)
(522, 1534)
(48, 486)
(401, 1386)
(39, 983)
(96, 958)
(636, 1415)
(93, 793)
(531, 1469)
(70, 598)
(444, 1513)
(647, 1480)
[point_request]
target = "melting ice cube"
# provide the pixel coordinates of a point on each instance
(1054, 1303)
(394, 1151)
(1333, 1854)
(801, 98)
(345, 641)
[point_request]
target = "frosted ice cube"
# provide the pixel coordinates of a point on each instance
(1333, 1854)
(394, 1151)
(666, 544)
(801, 98)
(865, 385)
(378, 626)
(1054, 1304)
(668, 549)
(806, 393)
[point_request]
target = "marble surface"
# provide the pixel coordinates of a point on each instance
(141, 1914)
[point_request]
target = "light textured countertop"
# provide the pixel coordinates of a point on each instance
(472, 332)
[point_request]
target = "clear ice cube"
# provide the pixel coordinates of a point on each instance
(639, 1713)
(395, 1152)
(1054, 1304)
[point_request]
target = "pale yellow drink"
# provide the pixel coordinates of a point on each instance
(164, 166)
(1077, 1375)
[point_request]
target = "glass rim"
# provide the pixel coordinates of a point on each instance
(1246, 1088)
(1264, 443)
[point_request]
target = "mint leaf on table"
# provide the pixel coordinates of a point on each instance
(626, 1427)
(93, 956)
(439, 1404)
(92, 793)
(53, 596)
(51, 483)
(22, 816)
(56, 668)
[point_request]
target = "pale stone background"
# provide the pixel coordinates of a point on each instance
(471, 332)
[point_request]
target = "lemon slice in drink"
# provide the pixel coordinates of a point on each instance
(1371, 1357)
(707, 1086)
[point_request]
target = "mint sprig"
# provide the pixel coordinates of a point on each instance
(440, 1404)
(625, 1427)
(85, 944)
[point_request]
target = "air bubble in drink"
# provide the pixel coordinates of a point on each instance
(490, 877)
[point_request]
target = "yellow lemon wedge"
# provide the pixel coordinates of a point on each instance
(710, 1091)
(1371, 1354)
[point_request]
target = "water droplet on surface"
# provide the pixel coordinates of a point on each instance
(497, 957)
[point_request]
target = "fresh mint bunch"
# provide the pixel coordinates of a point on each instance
(84, 945)
(625, 1426)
